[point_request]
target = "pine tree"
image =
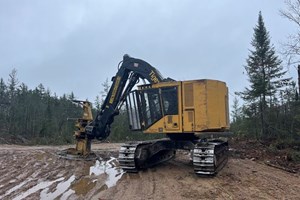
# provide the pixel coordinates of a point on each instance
(237, 117)
(3, 106)
(265, 73)
(104, 92)
(3, 95)
(12, 84)
(236, 113)
(12, 94)
(71, 96)
(97, 103)
(40, 89)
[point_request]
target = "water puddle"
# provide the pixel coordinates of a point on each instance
(67, 194)
(8, 192)
(61, 188)
(65, 187)
(110, 168)
(83, 186)
(36, 188)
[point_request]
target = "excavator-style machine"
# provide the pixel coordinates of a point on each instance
(193, 114)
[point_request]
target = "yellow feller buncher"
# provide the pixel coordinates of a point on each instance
(82, 149)
(193, 114)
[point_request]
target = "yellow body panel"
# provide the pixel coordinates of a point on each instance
(211, 105)
(202, 107)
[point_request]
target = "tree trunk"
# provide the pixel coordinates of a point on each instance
(299, 79)
(262, 120)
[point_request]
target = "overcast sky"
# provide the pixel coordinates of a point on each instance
(75, 45)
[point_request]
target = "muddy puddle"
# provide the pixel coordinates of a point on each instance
(95, 176)
(110, 168)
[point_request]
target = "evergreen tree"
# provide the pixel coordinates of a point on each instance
(40, 89)
(12, 94)
(265, 73)
(71, 96)
(97, 103)
(104, 92)
(3, 105)
(236, 113)
(12, 84)
(3, 95)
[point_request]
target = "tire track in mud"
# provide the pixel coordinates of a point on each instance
(16, 172)
(154, 183)
(240, 179)
(131, 186)
(24, 168)
(28, 170)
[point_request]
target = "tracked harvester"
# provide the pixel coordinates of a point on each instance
(193, 114)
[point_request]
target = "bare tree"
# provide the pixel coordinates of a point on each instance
(292, 47)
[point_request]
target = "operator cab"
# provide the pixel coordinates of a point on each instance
(148, 105)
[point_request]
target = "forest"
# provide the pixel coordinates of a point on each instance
(38, 116)
(267, 110)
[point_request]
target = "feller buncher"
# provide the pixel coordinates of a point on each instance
(82, 150)
(193, 115)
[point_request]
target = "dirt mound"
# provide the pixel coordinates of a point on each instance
(286, 158)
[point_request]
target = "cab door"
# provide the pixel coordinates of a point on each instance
(171, 107)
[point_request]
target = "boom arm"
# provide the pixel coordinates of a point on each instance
(130, 71)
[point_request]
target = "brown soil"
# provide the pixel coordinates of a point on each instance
(270, 154)
(38, 173)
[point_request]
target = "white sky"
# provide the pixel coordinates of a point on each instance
(74, 45)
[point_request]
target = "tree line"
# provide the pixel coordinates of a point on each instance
(36, 116)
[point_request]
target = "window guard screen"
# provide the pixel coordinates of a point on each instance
(133, 111)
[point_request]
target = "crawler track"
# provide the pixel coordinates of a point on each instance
(140, 155)
(126, 157)
(208, 157)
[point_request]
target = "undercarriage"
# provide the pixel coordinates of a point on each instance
(208, 156)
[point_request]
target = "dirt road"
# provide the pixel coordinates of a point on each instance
(38, 173)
